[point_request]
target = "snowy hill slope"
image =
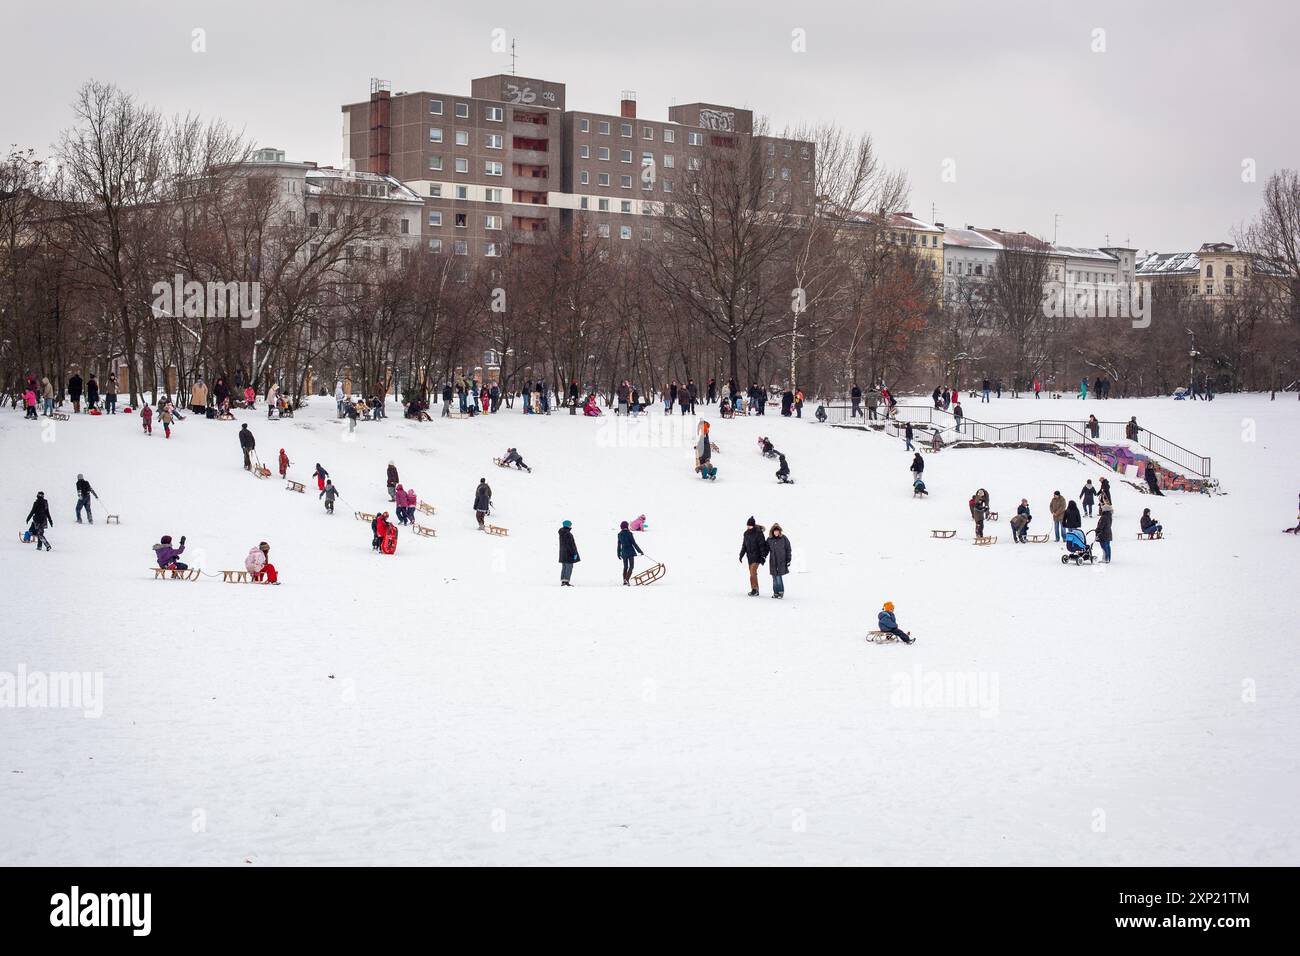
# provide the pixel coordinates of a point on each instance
(451, 704)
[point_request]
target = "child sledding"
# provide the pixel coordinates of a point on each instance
(783, 473)
(704, 466)
(512, 457)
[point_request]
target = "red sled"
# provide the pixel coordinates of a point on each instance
(388, 544)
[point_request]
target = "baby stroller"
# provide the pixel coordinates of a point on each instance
(1077, 547)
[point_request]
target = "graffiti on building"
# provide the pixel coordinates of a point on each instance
(1123, 459)
(718, 119)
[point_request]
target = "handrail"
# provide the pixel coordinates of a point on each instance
(1040, 429)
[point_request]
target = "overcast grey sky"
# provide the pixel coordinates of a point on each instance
(1143, 142)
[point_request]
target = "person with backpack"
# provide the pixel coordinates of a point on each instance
(1104, 532)
(568, 553)
(84, 491)
(329, 492)
(482, 502)
(247, 444)
(1087, 495)
(259, 566)
(780, 553)
(887, 623)
(1057, 508)
(628, 549)
(39, 519)
(753, 551)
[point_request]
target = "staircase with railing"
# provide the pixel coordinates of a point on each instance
(1070, 434)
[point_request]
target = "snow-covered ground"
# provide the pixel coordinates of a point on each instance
(452, 704)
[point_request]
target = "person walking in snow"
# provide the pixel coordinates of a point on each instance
(1104, 532)
(907, 436)
(320, 474)
(165, 417)
(329, 492)
(779, 555)
(146, 417)
(247, 443)
(1152, 478)
(167, 557)
(886, 621)
(284, 464)
(339, 397)
(74, 392)
(753, 551)
(1132, 429)
(350, 410)
(918, 466)
(84, 491)
(514, 458)
(1088, 495)
(482, 502)
(29, 403)
(1103, 493)
(628, 549)
(568, 553)
(399, 501)
(39, 519)
(392, 482)
(957, 413)
(1057, 508)
(258, 564)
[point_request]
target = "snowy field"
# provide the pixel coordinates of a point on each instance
(452, 704)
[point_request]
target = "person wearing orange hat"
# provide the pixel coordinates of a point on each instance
(889, 624)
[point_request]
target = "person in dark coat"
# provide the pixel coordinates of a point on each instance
(783, 472)
(247, 442)
(84, 491)
(1087, 494)
(1071, 518)
(74, 391)
(514, 458)
(392, 482)
(753, 551)
(482, 501)
(1153, 478)
(628, 549)
(1149, 524)
(855, 395)
(979, 507)
(40, 519)
(1104, 532)
(568, 553)
(907, 436)
(92, 393)
(1103, 493)
(918, 465)
(780, 553)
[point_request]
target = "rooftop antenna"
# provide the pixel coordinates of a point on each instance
(1056, 226)
(1108, 238)
(933, 214)
(513, 71)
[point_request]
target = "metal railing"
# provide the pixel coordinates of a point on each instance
(1075, 434)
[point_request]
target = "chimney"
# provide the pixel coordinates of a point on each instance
(627, 105)
(380, 101)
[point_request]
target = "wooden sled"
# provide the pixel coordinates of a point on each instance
(497, 530)
(113, 519)
(295, 486)
(920, 494)
(424, 532)
(1037, 538)
(262, 472)
(942, 534)
(176, 574)
(500, 462)
(650, 574)
(993, 539)
(234, 577)
(991, 516)
(1144, 536)
(362, 516)
(59, 416)
(426, 508)
(881, 637)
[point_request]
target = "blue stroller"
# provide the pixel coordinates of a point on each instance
(1077, 547)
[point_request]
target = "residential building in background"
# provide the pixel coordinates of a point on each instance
(1217, 272)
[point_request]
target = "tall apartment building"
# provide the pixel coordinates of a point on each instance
(510, 161)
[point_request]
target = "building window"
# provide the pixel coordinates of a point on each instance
(435, 107)
(625, 205)
(460, 247)
(1227, 271)
(462, 110)
(771, 149)
(602, 179)
(583, 178)
(462, 220)
(602, 152)
(668, 185)
(492, 249)
(647, 132)
(785, 174)
(1209, 270)
(493, 140)
(435, 163)
(492, 222)
(1209, 288)
(494, 114)
(1228, 286)
(435, 134)
(435, 218)
(602, 205)
(435, 245)
(584, 151)
(694, 139)
(670, 136)
(625, 182)
(462, 164)
(804, 152)
(462, 137)
(462, 192)
(602, 230)
(669, 161)
(692, 162)
(582, 204)
(493, 194)
(406, 227)
(625, 232)
(625, 129)
(584, 126)
(313, 219)
(493, 168)
(647, 232)
(435, 189)
(625, 155)
(603, 127)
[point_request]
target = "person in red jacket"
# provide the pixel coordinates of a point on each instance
(284, 463)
